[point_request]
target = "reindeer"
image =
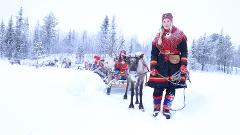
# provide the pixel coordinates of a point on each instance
(66, 63)
(137, 72)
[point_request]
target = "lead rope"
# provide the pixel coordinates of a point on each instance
(184, 103)
(177, 76)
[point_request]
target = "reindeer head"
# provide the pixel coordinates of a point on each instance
(132, 62)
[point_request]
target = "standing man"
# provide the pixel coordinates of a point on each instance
(168, 56)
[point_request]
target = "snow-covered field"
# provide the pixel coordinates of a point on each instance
(56, 101)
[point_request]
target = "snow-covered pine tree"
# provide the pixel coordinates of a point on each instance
(9, 40)
(192, 56)
(74, 41)
(38, 49)
(85, 41)
(93, 43)
(25, 48)
(130, 46)
(224, 52)
(82, 47)
(210, 52)
(49, 33)
(134, 45)
(219, 50)
(103, 44)
(19, 35)
(236, 60)
(212, 43)
(80, 53)
(229, 56)
(22, 36)
(146, 49)
(68, 45)
(113, 39)
(2, 36)
(120, 44)
(237, 57)
(138, 47)
(202, 52)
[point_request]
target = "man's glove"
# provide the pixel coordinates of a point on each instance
(183, 77)
(154, 72)
(183, 69)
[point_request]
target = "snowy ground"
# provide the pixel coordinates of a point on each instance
(55, 101)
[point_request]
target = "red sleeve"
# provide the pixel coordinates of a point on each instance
(116, 64)
(125, 67)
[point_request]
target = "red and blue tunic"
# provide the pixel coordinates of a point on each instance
(172, 42)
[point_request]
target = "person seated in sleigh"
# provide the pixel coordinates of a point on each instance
(96, 62)
(121, 67)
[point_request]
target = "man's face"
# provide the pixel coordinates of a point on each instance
(166, 23)
(123, 55)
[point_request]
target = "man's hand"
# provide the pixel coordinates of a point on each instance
(154, 72)
(183, 69)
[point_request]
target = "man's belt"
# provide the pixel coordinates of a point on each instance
(168, 52)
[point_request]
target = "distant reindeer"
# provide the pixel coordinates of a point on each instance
(51, 63)
(66, 63)
(135, 77)
(14, 61)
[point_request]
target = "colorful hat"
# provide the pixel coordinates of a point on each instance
(167, 15)
(123, 52)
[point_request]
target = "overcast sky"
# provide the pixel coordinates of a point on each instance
(133, 17)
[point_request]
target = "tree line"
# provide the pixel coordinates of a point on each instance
(214, 53)
(18, 42)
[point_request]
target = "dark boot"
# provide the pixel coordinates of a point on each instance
(167, 105)
(157, 99)
(167, 113)
(157, 105)
(155, 112)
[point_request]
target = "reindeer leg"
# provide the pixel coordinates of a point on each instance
(125, 94)
(136, 90)
(132, 94)
(141, 94)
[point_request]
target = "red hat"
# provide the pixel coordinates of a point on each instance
(167, 15)
(97, 57)
(123, 52)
